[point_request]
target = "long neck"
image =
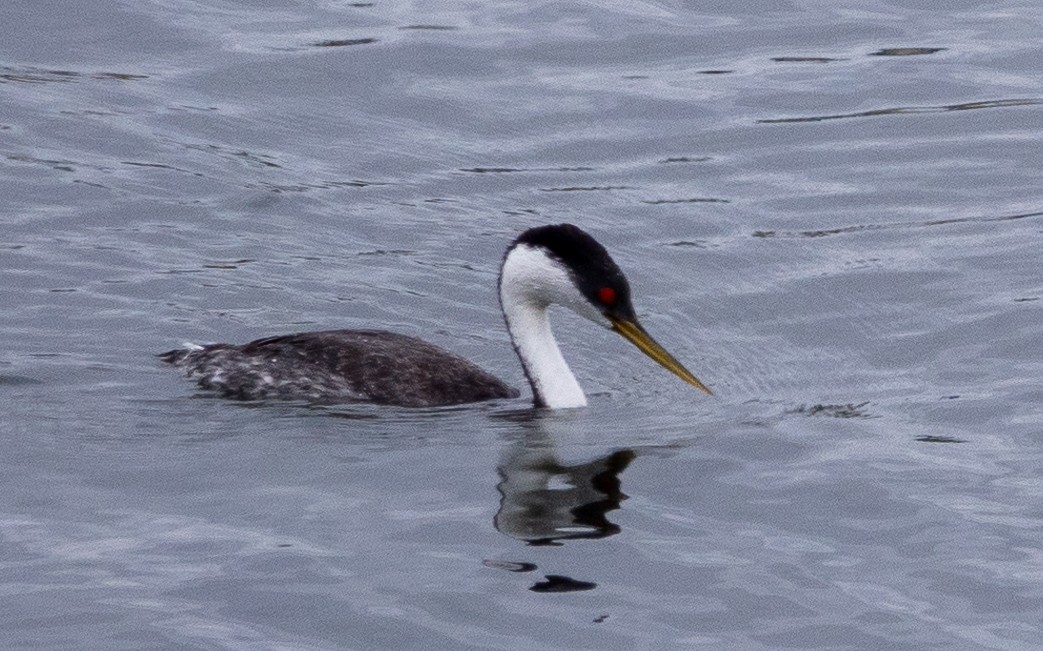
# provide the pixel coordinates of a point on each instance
(553, 383)
(525, 311)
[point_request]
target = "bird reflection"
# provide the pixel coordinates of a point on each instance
(544, 501)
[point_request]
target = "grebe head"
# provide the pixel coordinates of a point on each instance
(562, 264)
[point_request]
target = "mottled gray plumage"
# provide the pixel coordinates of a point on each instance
(340, 366)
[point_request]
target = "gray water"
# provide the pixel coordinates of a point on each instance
(830, 211)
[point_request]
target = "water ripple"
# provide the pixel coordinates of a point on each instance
(911, 110)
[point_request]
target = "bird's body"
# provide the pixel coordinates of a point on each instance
(340, 366)
(547, 265)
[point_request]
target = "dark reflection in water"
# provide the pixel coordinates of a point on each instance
(850, 410)
(804, 59)
(906, 51)
(915, 110)
(932, 438)
(843, 230)
(344, 42)
(33, 75)
(17, 380)
(558, 583)
(544, 501)
(510, 566)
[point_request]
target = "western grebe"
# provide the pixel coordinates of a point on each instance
(546, 265)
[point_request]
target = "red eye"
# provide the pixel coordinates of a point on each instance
(607, 295)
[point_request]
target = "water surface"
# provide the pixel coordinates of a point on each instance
(829, 212)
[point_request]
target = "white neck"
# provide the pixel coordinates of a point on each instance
(529, 282)
(552, 380)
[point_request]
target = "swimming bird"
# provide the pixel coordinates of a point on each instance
(547, 265)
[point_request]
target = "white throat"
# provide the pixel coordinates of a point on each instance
(530, 282)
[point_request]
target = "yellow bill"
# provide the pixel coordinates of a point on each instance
(636, 335)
